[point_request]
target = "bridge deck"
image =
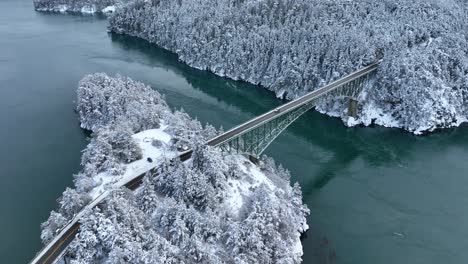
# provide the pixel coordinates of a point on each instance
(283, 109)
(56, 247)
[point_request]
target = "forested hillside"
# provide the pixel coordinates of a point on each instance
(213, 208)
(295, 46)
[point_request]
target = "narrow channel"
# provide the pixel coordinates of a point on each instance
(376, 195)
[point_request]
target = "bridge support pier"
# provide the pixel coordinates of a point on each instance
(253, 159)
(352, 108)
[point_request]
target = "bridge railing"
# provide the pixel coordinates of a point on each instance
(349, 86)
(259, 132)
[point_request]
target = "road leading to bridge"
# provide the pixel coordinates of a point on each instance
(55, 249)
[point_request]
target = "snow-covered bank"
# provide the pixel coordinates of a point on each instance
(88, 7)
(213, 208)
(151, 157)
(294, 46)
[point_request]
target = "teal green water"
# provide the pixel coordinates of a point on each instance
(376, 195)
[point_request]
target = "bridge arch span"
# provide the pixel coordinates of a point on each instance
(254, 136)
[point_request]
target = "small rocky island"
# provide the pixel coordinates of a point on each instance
(214, 208)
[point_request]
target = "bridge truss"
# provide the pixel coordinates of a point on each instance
(259, 133)
(252, 138)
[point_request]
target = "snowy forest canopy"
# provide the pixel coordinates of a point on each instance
(295, 46)
(214, 208)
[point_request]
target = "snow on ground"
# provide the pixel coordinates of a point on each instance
(88, 9)
(58, 8)
(244, 186)
(351, 121)
(240, 188)
(144, 139)
(62, 8)
(85, 10)
(371, 113)
(108, 10)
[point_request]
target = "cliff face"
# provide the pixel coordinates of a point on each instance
(294, 46)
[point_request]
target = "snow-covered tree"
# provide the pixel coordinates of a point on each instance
(72, 202)
(105, 101)
(295, 46)
(180, 211)
(212, 208)
(52, 226)
(183, 183)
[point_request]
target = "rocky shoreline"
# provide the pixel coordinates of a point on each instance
(295, 46)
(85, 7)
(213, 208)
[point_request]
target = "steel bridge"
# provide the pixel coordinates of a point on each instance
(254, 136)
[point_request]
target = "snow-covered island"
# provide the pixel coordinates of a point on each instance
(213, 208)
(294, 46)
(81, 6)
